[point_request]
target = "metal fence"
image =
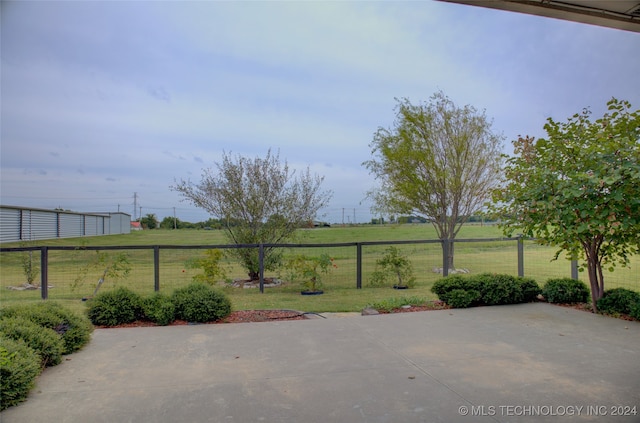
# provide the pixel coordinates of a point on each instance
(73, 271)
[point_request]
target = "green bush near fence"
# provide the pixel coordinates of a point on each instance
(485, 289)
(75, 330)
(199, 302)
(618, 301)
(112, 308)
(565, 291)
(44, 341)
(19, 368)
(33, 336)
(159, 309)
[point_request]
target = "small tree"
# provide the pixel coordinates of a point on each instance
(150, 221)
(259, 201)
(579, 189)
(438, 161)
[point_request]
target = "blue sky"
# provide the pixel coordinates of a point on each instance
(101, 100)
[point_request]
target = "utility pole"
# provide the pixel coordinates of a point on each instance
(175, 223)
(343, 216)
(135, 204)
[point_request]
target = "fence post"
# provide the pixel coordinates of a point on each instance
(574, 270)
(44, 272)
(261, 266)
(358, 265)
(445, 257)
(156, 267)
(520, 256)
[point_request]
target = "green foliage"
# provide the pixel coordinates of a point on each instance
(30, 267)
(199, 302)
(565, 291)
(485, 289)
(500, 289)
(258, 201)
(618, 300)
(309, 270)
(390, 304)
(529, 288)
(211, 267)
(150, 221)
(444, 286)
(462, 298)
(74, 329)
(116, 266)
(578, 189)
(634, 311)
(46, 342)
(395, 266)
(115, 307)
(159, 309)
(439, 162)
(19, 368)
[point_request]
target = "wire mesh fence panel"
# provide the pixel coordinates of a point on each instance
(492, 256)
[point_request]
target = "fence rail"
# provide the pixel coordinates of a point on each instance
(357, 259)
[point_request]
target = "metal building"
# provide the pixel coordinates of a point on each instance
(29, 224)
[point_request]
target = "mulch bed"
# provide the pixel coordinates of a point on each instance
(242, 316)
(246, 316)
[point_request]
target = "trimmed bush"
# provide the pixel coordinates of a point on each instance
(200, 303)
(529, 288)
(159, 309)
(444, 286)
(19, 368)
(635, 310)
(44, 341)
(565, 291)
(74, 329)
(461, 298)
(115, 307)
(499, 289)
(618, 300)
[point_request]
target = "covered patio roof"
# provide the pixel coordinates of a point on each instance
(619, 14)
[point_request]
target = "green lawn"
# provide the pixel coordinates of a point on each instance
(74, 274)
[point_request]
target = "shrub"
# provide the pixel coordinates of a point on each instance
(19, 368)
(395, 267)
(618, 300)
(529, 288)
(565, 290)
(74, 329)
(462, 298)
(115, 307)
(159, 309)
(444, 286)
(198, 302)
(635, 310)
(499, 289)
(44, 341)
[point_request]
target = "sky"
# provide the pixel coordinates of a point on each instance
(106, 104)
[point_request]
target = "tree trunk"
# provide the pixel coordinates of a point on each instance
(596, 280)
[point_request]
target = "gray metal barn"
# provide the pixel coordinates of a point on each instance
(29, 224)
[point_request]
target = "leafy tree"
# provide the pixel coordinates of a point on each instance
(150, 221)
(259, 201)
(579, 189)
(170, 223)
(438, 161)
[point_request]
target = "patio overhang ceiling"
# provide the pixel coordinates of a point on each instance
(619, 14)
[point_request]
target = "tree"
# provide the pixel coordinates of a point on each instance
(579, 189)
(438, 161)
(150, 221)
(259, 201)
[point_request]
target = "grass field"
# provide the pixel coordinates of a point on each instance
(74, 274)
